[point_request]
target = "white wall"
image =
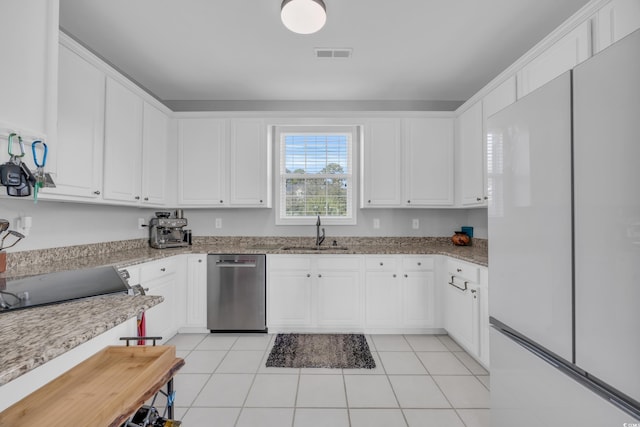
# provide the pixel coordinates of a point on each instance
(58, 224)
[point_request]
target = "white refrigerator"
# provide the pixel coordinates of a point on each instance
(564, 248)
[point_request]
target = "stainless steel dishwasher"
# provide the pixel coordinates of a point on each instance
(236, 293)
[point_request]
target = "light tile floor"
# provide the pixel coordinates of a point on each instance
(419, 381)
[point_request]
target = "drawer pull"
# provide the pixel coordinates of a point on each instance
(406, 275)
(419, 264)
(453, 283)
(308, 275)
(459, 270)
(382, 263)
(163, 269)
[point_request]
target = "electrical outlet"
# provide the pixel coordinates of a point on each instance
(415, 224)
(141, 223)
(218, 222)
(376, 223)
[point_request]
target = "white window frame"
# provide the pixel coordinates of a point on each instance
(280, 191)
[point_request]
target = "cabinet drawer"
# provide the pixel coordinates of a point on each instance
(156, 269)
(381, 263)
(289, 262)
(341, 262)
(417, 263)
(463, 270)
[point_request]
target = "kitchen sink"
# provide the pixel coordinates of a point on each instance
(314, 248)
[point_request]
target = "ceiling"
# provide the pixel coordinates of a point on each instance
(404, 51)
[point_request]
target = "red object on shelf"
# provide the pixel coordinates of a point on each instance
(142, 328)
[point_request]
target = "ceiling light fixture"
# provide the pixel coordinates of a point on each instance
(303, 16)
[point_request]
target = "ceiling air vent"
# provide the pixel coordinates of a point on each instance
(329, 53)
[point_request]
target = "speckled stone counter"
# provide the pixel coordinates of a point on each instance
(131, 252)
(34, 336)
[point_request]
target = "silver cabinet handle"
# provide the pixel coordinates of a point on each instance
(394, 275)
(199, 260)
(408, 201)
(473, 291)
(406, 275)
(319, 275)
(419, 263)
(137, 197)
(478, 199)
(221, 201)
(382, 263)
(308, 275)
(146, 199)
(97, 192)
(261, 201)
(368, 201)
(458, 270)
(163, 269)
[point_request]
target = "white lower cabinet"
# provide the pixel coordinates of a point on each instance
(466, 306)
(399, 292)
(196, 292)
(288, 298)
(160, 278)
(314, 292)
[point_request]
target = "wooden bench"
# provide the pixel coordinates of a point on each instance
(104, 390)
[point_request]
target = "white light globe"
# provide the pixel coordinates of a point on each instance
(303, 16)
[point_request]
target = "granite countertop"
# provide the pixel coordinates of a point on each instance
(34, 336)
(134, 252)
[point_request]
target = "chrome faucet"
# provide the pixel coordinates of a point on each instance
(319, 238)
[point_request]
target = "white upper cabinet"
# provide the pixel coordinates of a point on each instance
(428, 162)
(616, 20)
(382, 161)
(77, 154)
(122, 143)
(407, 163)
(223, 163)
(154, 161)
(562, 56)
(471, 158)
(29, 52)
(250, 159)
(202, 162)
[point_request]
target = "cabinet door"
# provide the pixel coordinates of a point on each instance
(460, 322)
(249, 172)
(202, 162)
(428, 162)
(29, 49)
(338, 298)
(78, 150)
(383, 300)
(289, 299)
(418, 294)
(616, 19)
(160, 319)
(122, 143)
(471, 157)
(154, 161)
(562, 56)
(196, 291)
(382, 162)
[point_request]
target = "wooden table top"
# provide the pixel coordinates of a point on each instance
(104, 390)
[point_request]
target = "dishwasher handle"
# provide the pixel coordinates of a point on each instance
(236, 264)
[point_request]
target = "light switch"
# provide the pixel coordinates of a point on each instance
(218, 222)
(415, 224)
(376, 223)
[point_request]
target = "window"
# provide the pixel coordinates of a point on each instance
(316, 175)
